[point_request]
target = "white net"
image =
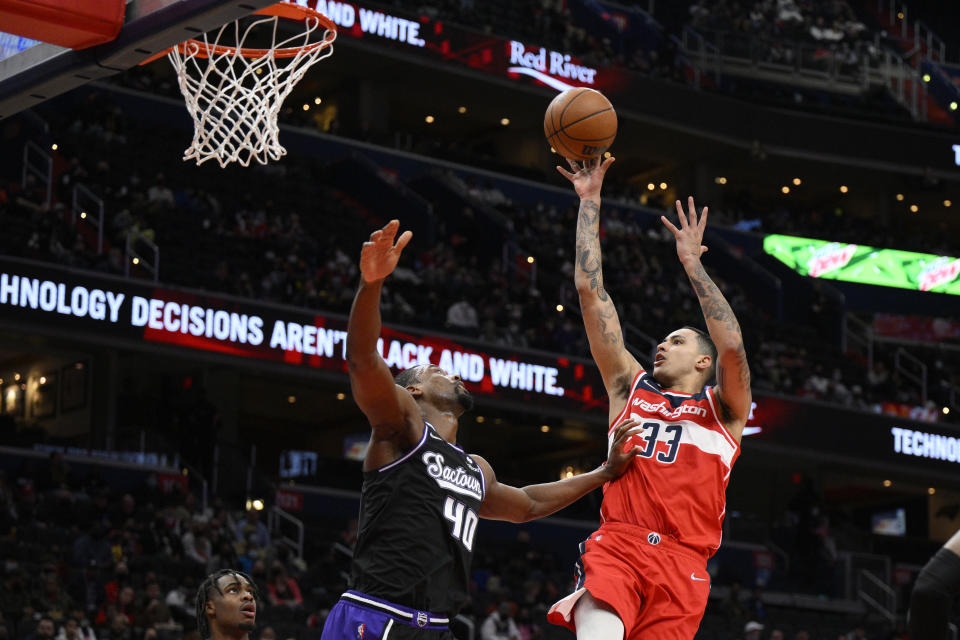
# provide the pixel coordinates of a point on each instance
(234, 94)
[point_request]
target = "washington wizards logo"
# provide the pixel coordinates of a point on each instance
(361, 630)
(653, 538)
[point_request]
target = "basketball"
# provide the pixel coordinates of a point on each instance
(580, 124)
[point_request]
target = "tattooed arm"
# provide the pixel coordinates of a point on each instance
(733, 374)
(617, 366)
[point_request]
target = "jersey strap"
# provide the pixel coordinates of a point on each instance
(407, 455)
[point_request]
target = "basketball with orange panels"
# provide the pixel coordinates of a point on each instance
(580, 124)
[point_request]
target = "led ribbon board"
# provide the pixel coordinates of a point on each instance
(90, 307)
(866, 265)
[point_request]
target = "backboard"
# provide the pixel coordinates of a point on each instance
(32, 71)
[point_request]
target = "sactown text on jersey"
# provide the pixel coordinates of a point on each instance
(455, 479)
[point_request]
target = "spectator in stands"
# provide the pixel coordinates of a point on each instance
(152, 609)
(284, 590)
(159, 194)
(499, 625)
(91, 548)
(196, 544)
(252, 527)
(756, 609)
(124, 604)
(752, 630)
(462, 317)
(45, 630)
(53, 600)
(72, 629)
(119, 628)
(527, 628)
(180, 598)
(776, 634)
(733, 607)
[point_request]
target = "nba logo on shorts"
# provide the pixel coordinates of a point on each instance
(360, 630)
(653, 538)
(421, 619)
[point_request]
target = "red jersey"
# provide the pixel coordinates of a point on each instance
(677, 485)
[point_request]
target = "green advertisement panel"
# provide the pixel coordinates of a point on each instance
(866, 265)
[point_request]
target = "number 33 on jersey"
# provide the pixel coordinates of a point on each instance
(677, 483)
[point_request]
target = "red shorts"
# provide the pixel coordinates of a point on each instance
(658, 587)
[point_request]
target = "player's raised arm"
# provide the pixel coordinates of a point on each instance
(390, 409)
(733, 373)
(617, 366)
(504, 502)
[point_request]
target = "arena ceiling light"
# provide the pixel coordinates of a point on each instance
(461, 110)
(797, 182)
(784, 189)
(843, 188)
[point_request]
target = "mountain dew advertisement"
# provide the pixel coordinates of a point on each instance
(866, 265)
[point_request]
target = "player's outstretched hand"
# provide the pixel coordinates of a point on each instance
(690, 234)
(621, 453)
(587, 177)
(379, 255)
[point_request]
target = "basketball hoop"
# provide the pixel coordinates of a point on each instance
(234, 93)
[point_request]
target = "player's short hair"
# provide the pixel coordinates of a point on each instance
(705, 342)
(203, 596)
(409, 377)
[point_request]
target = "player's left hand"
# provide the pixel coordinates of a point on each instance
(690, 234)
(621, 454)
(379, 255)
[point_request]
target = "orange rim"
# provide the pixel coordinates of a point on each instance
(287, 10)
